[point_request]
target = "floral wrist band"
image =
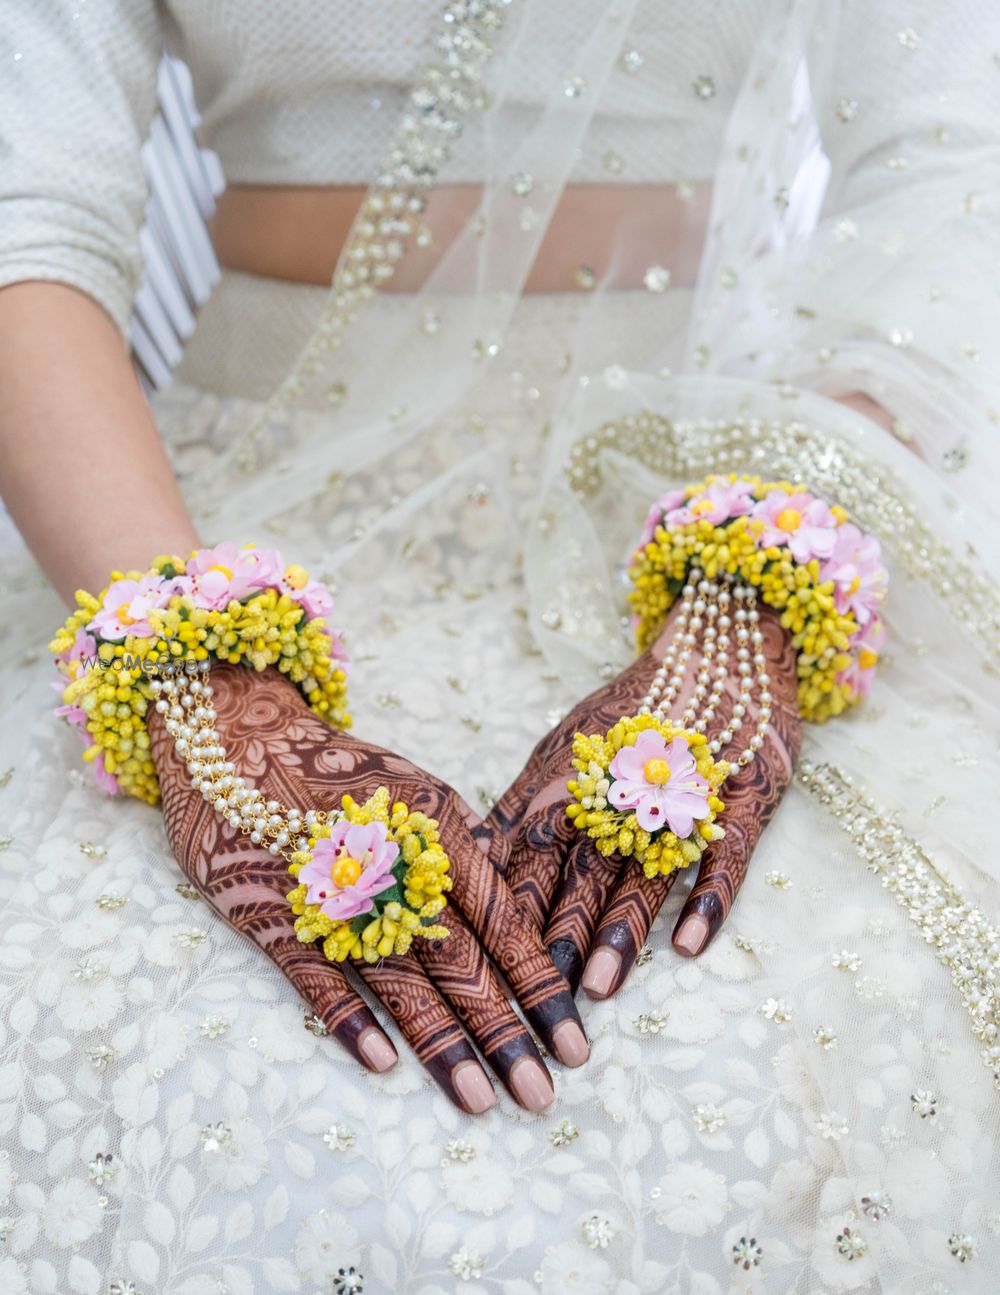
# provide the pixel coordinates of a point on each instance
(224, 604)
(806, 559)
(370, 880)
(649, 789)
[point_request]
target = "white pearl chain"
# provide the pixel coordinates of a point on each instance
(186, 700)
(707, 620)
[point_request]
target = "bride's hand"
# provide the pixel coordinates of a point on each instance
(595, 912)
(440, 986)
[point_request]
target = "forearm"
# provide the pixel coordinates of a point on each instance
(83, 471)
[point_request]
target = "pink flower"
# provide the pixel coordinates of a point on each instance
(801, 522)
(660, 783)
(337, 649)
(264, 566)
(74, 715)
(672, 499)
(349, 868)
(126, 606)
(106, 781)
(858, 575)
(314, 598)
(865, 647)
(721, 502)
(224, 574)
(83, 648)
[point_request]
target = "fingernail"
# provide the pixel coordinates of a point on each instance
(691, 936)
(531, 1084)
(601, 971)
(473, 1088)
(570, 1044)
(376, 1049)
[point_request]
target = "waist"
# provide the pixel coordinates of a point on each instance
(612, 233)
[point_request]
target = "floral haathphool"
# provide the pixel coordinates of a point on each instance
(371, 882)
(243, 606)
(806, 558)
(647, 790)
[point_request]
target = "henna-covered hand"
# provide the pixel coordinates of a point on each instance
(441, 986)
(595, 912)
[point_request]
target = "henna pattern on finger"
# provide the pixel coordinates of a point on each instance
(514, 943)
(430, 1029)
(588, 880)
(459, 972)
(624, 926)
(536, 860)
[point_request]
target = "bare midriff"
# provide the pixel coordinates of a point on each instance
(618, 232)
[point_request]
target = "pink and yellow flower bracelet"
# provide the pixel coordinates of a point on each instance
(649, 788)
(225, 604)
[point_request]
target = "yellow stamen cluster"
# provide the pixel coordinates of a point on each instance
(806, 605)
(618, 831)
(268, 629)
(391, 926)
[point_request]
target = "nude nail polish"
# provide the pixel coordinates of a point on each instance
(376, 1050)
(531, 1084)
(570, 1044)
(601, 971)
(691, 935)
(474, 1090)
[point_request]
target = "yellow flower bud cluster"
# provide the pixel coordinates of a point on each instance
(618, 831)
(806, 604)
(391, 926)
(268, 629)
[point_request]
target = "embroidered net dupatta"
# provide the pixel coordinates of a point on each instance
(820, 1087)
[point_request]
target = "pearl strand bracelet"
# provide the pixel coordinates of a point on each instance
(186, 701)
(327, 852)
(705, 607)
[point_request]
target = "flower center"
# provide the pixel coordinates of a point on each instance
(123, 615)
(702, 506)
(789, 519)
(657, 772)
(345, 872)
(296, 577)
(855, 585)
(867, 658)
(225, 570)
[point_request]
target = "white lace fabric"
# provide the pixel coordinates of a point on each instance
(805, 1108)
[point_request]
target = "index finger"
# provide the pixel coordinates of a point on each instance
(538, 854)
(514, 942)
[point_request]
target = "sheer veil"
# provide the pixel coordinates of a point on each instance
(470, 463)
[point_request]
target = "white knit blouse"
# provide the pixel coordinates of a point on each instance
(290, 92)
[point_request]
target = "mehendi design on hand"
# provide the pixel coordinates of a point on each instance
(274, 740)
(586, 902)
